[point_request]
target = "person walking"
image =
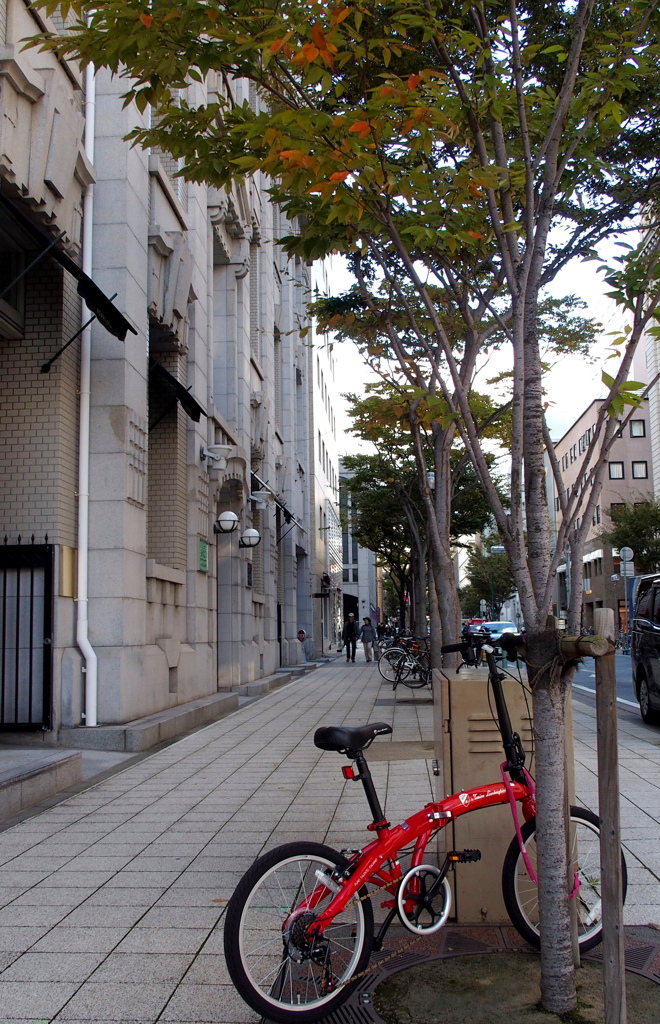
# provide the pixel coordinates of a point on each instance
(367, 635)
(349, 635)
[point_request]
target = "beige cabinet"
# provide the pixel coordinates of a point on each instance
(471, 754)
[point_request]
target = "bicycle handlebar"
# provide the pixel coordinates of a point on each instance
(508, 641)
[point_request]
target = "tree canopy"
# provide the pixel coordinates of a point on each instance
(490, 578)
(637, 525)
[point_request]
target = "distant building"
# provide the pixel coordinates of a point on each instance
(361, 578)
(628, 478)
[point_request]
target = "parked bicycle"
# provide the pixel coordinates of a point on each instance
(407, 662)
(299, 930)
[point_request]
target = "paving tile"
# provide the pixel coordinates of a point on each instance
(104, 917)
(208, 969)
(64, 967)
(124, 897)
(20, 938)
(158, 940)
(167, 968)
(80, 940)
(117, 1002)
(40, 916)
(180, 917)
(65, 896)
(36, 999)
(215, 1004)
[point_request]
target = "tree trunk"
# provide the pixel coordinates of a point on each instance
(550, 691)
(436, 624)
(421, 580)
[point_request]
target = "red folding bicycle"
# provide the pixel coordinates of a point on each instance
(299, 929)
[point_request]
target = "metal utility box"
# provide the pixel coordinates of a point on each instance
(469, 747)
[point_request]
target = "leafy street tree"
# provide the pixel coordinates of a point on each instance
(380, 520)
(460, 154)
(377, 419)
(637, 525)
(491, 578)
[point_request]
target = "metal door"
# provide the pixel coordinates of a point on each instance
(26, 636)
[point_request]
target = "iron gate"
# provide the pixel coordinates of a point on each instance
(26, 636)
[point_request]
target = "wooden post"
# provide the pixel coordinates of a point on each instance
(610, 827)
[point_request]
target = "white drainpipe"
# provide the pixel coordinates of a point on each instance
(82, 624)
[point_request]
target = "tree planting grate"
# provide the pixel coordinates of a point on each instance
(456, 941)
(388, 702)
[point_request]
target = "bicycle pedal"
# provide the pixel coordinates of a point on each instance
(464, 856)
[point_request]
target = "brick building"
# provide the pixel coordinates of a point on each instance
(201, 400)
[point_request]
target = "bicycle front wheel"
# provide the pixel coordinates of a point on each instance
(394, 665)
(280, 971)
(521, 893)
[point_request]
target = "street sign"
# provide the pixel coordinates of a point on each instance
(326, 593)
(302, 635)
(626, 554)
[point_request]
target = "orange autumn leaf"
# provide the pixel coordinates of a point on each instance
(328, 58)
(387, 90)
(361, 127)
(276, 45)
(475, 234)
(318, 37)
(147, 20)
(339, 176)
(414, 81)
(340, 15)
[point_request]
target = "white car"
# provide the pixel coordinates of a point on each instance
(497, 628)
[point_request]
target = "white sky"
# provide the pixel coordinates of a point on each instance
(572, 383)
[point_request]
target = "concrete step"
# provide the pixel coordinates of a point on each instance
(144, 733)
(28, 776)
(265, 685)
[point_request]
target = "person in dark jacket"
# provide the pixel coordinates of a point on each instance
(349, 635)
(367, 635)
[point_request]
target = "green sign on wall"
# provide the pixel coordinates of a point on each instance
(203, 556)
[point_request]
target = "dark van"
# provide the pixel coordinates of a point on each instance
(645, 647)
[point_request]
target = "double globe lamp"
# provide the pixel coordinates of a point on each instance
(227, 522)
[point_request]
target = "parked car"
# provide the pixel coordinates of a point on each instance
(497, 628)
(645, 647)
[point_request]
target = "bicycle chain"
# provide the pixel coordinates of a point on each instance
(391, 956)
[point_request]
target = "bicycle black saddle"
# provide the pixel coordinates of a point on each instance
(342, 737)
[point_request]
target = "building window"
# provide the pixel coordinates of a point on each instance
(616, 505)
(345, 576)
(557, 504)
(640, 470)
(248, 581)
(355, 575)
(638, 428)
(616, 471)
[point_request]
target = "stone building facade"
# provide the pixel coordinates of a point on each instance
(628, 477)
(206, 405)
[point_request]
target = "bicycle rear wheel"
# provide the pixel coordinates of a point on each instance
(419, 673)
(521, 893)
(394, 663)
(278, 970)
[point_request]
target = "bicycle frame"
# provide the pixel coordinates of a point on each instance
(367, 864)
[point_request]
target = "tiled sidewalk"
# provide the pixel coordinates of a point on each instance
(639, 781)
(109, 898)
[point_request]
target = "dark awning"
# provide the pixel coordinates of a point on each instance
(182, 395)
(97, 302)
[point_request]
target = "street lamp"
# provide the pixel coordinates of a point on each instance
(226, 522)
(249, 539)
